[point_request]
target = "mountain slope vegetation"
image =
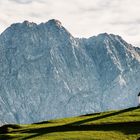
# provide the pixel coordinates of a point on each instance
(112, 125)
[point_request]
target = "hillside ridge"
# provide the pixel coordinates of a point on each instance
(112, 125)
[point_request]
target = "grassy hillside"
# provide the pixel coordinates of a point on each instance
(114, 125)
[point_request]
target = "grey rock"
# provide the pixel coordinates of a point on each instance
(46, 73)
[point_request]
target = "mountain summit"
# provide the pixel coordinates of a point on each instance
(46, 73)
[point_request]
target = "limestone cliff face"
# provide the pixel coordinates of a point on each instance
(46, 73)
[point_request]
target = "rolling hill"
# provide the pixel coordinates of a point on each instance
(112, 125)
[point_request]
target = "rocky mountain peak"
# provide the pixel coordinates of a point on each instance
(46, 73)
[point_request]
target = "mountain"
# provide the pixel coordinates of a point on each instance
(46, 73)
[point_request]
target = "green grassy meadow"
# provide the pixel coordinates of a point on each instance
(112, 125)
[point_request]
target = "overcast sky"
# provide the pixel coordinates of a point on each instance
(83, 18)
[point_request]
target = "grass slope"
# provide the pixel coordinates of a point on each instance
(113, 125)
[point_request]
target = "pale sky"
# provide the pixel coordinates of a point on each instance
(83, 18)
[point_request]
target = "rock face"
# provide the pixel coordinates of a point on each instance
(46, 73)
